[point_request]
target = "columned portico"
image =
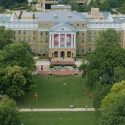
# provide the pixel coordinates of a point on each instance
(62, 41)
(62, 45)
(67, 39)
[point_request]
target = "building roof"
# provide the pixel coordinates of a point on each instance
(62, 20)
(4, 18)
(61, 6)
(20, 26)
(62, 27)
(60, 16)
(105, 25)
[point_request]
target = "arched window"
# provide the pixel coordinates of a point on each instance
(56, 54)
(68, 54)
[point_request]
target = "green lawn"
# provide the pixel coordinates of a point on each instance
(60, 118)
(54, 92)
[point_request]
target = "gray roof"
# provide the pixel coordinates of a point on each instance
(61, 6)
(105, 26)
(61, 27)
(22, 26)
(105, 14)
(60, 16)
(4, 18)
(119, 19)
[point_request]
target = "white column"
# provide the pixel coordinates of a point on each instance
(52, 40)
(49, 40)
(74, 40)
(59, 40)
(65, 40)
(58, 54)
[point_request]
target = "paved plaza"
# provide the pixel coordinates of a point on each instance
(61, 70)
(57, 110)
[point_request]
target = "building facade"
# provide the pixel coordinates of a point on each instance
(46, 4)
(63, 33)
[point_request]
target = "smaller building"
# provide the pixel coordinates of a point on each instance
(46, 4)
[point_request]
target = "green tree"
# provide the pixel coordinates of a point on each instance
(18, 54)
(8, 113)
(117, 91)
(108, 55)
(15, 81)
(12, 3)
(101, 92)
(115, 114)
(119, 74)
(6, 37)
(113, 106)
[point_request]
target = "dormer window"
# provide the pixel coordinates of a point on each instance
(55, 16)
(69, 16)
(62, 28)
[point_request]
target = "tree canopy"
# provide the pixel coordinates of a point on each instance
(12, 3)
(8, 113)
(107, 56)
(117, 91)
(6, 37)
(17, 54)
(113, 106)
(15, 81)
(16, 65)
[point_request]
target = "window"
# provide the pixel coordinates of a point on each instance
(24, 39)
(28, 38)
(89, 49)
(24, 32)
(34, 32)
(90, 33)
(46, 33)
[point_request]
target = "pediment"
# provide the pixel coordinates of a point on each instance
(62, 28)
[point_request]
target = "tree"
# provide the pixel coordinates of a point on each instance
(8, 113)
(119, 73)
(113, 106)
(115, 114)
(101, 92)
(6, 37)
(15, 81)
(117, 91)
(18, 54)
(12, 3)
(108, 55)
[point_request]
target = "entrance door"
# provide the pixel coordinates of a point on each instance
(62, 54)
(68, 54)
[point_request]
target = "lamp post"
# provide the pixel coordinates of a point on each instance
(36, 97)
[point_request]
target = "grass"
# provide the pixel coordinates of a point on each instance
(54, 92)
(60, 118)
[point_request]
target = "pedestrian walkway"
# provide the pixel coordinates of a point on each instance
(57, 110)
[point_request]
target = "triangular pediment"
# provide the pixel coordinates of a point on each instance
(61, 27)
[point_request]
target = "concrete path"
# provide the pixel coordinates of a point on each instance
(57, 110)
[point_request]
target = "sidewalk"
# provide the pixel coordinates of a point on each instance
(57, 110)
